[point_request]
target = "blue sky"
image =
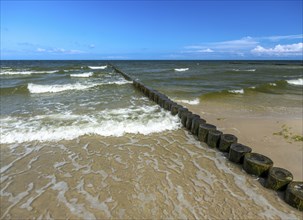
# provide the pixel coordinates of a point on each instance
(260, 29)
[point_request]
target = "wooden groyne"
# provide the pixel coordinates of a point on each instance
(275, 178)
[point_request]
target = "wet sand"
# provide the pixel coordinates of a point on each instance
(267, 131)
(168, 175)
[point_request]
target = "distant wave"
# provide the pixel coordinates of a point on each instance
(115, 122)
(272, 87)
(36, 88)
(82, 75)
(97, 67)
(190, 102)
(26, 72)
(276, 87)
(181, 69)
(297, 82)
(244, 70)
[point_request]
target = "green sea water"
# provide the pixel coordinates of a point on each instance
(79, 142)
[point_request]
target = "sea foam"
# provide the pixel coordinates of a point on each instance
(36, 88)
(244, 70)
(296, 82)
(82, 75)
(237, 91)
(190, 102)
(25, 72)
(181, 69)
(67, 126)
(97, 67)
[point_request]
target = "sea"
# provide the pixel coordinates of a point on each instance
(78, 141)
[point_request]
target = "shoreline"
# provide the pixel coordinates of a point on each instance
(267, 133)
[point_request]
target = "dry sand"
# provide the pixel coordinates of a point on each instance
(260, 130)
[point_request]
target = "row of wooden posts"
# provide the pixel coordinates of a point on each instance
(276, 178)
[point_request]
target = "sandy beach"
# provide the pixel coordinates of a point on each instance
(265, 132)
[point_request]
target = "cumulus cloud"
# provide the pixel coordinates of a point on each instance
(289, 49)
(248, 46)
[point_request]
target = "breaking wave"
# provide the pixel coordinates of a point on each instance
(97, 67)
(24, 72)
(181, 69)
(237, 91)
(82, 75)
(190, 102)
(67, 126)
(297, 82)
(36, 88)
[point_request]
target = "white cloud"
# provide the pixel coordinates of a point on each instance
(233, 47)
(59, 51)
(72, 52)
(248, 46)
(289, 49)
(282, 37)
(40, 50)
(207, 50)
(243, 43)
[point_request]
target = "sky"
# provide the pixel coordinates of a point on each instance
(160, 30)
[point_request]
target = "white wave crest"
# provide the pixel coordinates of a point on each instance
(26, 72)
(66, 126)
(273, 84)
(237, 91)
(190, 102)
(297, 82)
(82, 75)
(181, 69)
(97, 67)
(244, 70)
(36, 88)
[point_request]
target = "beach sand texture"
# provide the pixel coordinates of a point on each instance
(263, 132)
(167, 175)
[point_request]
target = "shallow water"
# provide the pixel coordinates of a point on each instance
(167, 175)
(78, 141)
